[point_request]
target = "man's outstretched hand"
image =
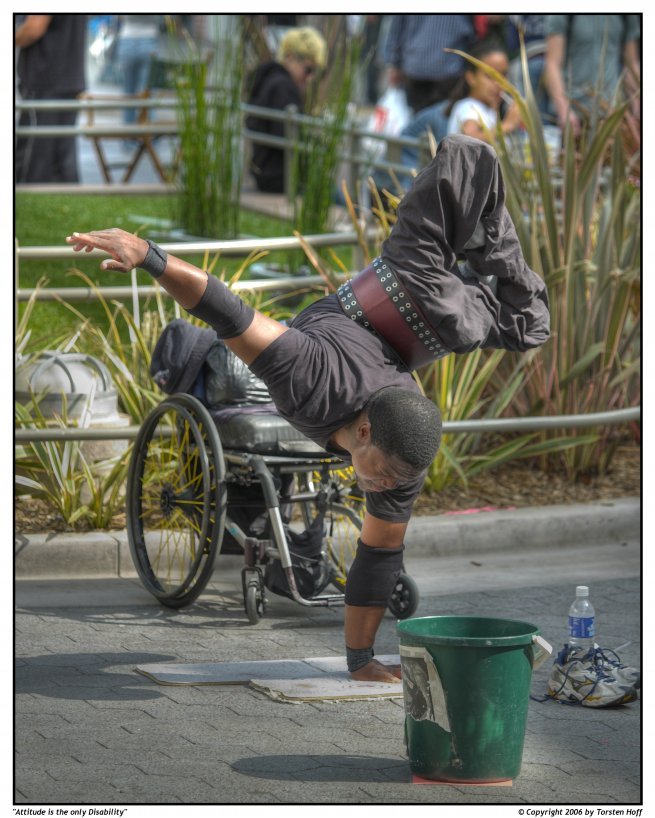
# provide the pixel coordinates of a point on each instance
(126, 250)
(375, 671)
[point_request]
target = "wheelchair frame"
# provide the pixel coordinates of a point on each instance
(182, 486)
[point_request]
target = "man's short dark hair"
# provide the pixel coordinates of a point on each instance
(405, 425)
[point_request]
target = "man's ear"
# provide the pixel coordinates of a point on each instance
(364, 431)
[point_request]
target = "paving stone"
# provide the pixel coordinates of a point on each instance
(88, 727)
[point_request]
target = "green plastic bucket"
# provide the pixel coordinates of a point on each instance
(466, 687)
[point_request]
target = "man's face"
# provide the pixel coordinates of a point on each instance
(376, 471)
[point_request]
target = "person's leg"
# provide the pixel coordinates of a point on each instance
(422, 94)
(143, 61)
(128, 60)
(445, 204)
(456, 209)
(36, 156)
(24, 148)
(65, 167)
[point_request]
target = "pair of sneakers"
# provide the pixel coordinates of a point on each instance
(593, 677)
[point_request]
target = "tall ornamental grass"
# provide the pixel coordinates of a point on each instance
(82, 491)
(210, 155)
(579, 223)
(79, 489)
(320, 138)
(463, 387)
(578, 220)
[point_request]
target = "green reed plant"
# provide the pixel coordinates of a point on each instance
(316, 156)
(210, 161)
(462, 387)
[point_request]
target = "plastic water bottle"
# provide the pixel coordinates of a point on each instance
(582, 620)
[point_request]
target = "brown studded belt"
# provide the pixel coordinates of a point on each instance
(377, 300)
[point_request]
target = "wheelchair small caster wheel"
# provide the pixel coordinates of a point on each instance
(404, 597)
(255, 603)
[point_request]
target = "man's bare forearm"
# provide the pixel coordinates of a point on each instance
(184, 282)
(246, 332)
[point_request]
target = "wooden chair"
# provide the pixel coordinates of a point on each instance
(160, 84)
(144, 143)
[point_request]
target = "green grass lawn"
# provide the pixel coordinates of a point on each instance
(46, 220)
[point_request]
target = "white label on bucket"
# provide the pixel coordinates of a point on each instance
(422, 688)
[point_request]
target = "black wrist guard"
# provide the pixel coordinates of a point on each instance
(155, 260)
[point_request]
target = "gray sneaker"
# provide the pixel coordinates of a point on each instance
(612, 661)
(586, 678)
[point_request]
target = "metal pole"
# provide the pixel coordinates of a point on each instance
(536, 423)
(614, 417)
(291, 137)
(292, 120)
(145, 291)
(237, 248)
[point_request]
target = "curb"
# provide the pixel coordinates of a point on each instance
(101, 554)
(562, 526)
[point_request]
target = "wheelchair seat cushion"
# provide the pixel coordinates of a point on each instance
(260, 430)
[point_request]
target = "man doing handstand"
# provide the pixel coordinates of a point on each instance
(450, 278)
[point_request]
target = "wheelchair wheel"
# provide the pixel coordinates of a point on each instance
(344, 514)
(176, 500)
(255, 603)
(404, 597)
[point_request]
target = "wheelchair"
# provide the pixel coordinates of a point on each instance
(242, 480)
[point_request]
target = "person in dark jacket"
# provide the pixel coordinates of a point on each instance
(278, 84)
(341, 371)
(51, 65)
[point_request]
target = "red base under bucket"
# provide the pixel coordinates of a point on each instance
(416, 779)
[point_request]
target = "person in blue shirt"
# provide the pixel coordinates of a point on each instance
(415, 56)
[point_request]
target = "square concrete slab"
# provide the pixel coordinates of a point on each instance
(319, 678)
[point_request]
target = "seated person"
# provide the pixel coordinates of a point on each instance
(476, 101)
(278, 84)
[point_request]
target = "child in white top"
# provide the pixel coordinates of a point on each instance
(477, 98)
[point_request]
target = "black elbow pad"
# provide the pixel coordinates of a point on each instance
(373, 575)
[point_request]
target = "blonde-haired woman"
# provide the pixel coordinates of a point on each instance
(277, 84)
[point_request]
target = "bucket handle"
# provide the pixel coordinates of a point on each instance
(541, 650)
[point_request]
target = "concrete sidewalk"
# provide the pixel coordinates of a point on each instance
(90, 730)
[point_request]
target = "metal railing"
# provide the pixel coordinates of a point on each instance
(237, 248)
(355, 156)
(618, 416)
